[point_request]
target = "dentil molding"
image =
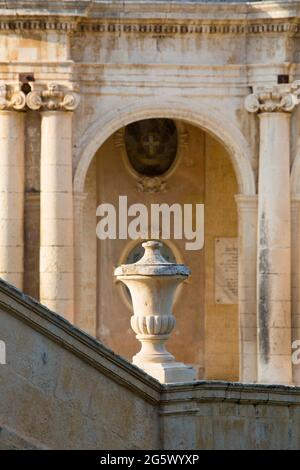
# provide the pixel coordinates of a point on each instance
(166, 29)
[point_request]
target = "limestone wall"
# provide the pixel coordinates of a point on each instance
(61, 389)
(220, 415)
(221, 320)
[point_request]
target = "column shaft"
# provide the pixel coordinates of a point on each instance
(274, 250)
(12, 197)
(247, 217)
(56, 233)
(80, 316)
(296, 286)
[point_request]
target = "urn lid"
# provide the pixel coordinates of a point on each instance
(152, 264)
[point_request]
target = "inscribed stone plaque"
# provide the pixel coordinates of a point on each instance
(226, 270)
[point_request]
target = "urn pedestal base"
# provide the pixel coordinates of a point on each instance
(169, 372)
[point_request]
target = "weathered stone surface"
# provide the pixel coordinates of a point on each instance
(59, 386)
(193, 62)
(62, 389)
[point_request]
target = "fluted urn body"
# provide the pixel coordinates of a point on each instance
(152, 283)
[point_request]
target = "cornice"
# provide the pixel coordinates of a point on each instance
(146, 8)
(212, 10)
(192, 395)
(196, 27)
(246, 203)
(158, 17)
(151, 27)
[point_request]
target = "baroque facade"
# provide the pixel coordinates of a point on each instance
(219, 83)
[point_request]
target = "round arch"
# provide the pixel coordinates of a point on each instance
(211, 120)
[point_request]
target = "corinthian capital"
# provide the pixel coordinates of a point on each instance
(276, 98)
(54, 97)
(11, 97)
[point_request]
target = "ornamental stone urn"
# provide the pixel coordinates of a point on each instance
(152, 283)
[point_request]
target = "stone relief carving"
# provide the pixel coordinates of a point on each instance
(144, 184)
(155, 184)
(151, 145)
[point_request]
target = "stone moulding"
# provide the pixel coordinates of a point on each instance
(162, 8)
(35, 25)
(164, 27)
(187, 28)
(29, 311)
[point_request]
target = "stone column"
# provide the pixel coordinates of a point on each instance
(32, 243)
(12, 101)
(56, 219)
(296, 286)
(79, 200)
(274, 232)
(247, 217)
